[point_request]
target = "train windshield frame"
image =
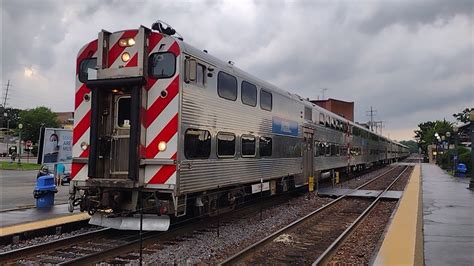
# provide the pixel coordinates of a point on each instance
(162, 65)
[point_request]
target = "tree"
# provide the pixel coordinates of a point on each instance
(463, 116)
(12, 117)
(425, 135)
(33, 119)
(411, 144)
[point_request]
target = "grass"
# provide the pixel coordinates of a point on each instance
(22, 166)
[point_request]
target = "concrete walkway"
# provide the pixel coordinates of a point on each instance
(448, 218)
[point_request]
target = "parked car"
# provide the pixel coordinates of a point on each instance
(66, 179)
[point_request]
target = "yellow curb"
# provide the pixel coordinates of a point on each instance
(20, 228)
(403, 243)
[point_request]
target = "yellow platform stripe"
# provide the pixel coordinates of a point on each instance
(403, 243)
(20, 228)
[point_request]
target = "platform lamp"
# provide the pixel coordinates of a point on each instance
(448, 136)
(437, 143)
(471, 118)
(455, 158)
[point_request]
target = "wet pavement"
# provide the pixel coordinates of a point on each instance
(16, 190)
(448, 218)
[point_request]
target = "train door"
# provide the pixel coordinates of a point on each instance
(113, 125)
(120, 138)
(308, 156)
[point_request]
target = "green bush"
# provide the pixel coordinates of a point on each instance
(446, 160)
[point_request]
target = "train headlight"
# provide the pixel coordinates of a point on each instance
(162, 146)
(125, 57)
(126, 42)
(84, 146)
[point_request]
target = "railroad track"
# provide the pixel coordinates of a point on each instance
(107, 244)
(96, 246)
(314, 237)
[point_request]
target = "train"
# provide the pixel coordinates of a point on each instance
(163, 130)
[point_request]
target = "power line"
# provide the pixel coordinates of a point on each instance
(371, 113)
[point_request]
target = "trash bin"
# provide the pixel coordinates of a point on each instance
(461, 170)
(44, 191)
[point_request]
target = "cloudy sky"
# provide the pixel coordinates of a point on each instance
(412, 61)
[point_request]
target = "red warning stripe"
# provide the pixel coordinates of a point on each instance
(133, 62)
(161, 103)
(80, 95)
(75, 168)
(165, 135)
(85, 154)
(153, 40)
(165, 172)
(81, 127)
(116, 49)
(174, 49)
(89, 51)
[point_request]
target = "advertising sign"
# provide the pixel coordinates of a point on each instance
(57, 146)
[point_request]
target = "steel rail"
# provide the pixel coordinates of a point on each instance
(245, 252)
(93, 257)
(334, 245)
(38, 248)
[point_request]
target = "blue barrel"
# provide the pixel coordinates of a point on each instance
(44, 191)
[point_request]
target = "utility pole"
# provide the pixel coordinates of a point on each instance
(378, 125)
(6, 95)
(322, 91)
(5, 114)
(371, 113)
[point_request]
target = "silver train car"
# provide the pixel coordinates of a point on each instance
(167, 129)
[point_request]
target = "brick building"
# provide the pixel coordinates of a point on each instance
(342, 108)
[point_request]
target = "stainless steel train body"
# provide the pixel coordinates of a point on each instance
(161, 121)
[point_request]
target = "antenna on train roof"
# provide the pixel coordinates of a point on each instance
(158, 26)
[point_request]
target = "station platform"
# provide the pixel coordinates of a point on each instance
(433, 224)
(23, 220)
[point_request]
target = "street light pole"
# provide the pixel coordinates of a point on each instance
(20, 126)
(471, 118)
(455, 158)
(8, 128)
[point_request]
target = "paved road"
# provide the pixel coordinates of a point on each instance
(17, 189)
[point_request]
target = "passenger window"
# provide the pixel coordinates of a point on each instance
(265, 146)
(308, 115)
(266, 100)
(200, 69)
(197, 144)
(225, 144)
(249, 93)
(316, 149)
(328, 149)
(321, 119)
(322, 149)
(328, 121)
(123, 112)
(333, 149)
(227, 86)
(248, 146)
(162, 65)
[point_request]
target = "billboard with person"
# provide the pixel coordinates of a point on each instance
(56, 146)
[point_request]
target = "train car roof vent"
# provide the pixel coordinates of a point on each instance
(165, 28)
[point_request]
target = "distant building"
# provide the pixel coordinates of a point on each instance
(66, 119)
(342, 108)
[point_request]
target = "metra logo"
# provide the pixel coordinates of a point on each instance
(284, 127)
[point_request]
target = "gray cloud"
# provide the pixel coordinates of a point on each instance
(415, 13)
(410, 60)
